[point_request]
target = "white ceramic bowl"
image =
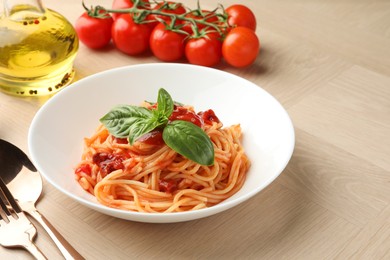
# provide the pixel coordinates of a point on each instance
(56, 134)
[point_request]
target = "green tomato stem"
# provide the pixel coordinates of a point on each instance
(140, 15)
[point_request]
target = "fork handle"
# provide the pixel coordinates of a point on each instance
(34, 250)
(66, 249)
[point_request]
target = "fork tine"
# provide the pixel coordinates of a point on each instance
(17, 230)
(9, 197)
(5, 210)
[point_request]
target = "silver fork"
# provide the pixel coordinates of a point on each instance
(16, 230)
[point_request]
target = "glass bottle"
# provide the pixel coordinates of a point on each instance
(37, 49)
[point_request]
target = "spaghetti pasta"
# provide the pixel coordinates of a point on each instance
(149, 176)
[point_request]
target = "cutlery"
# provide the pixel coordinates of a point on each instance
(16, 230)
(25, 183)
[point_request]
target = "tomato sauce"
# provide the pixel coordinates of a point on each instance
(209, 117)
(121, 140)
(84, 168)
(168, 186)
(182, 113)
(153, 138)
(109, 162)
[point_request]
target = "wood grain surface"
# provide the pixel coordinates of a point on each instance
(328, 63)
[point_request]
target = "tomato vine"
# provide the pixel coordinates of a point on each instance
(141, 10)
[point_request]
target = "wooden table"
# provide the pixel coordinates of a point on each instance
(328, 63)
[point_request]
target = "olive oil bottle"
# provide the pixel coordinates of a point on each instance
(37, 49)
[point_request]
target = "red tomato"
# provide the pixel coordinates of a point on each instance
(84, 168)
(199, 15)
(109, 162)
(120, 4)
(168, 186)
(209, 117)
(204, 51)
(125, 4)
(154, 138)
(240, 15)
(130, 37)
(121, 140)
(182, 113)
(94, 32)
(166, 44)
(240, 47)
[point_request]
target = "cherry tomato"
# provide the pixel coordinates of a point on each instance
(121, 140)
(130, 37)
(240, 15)
(168, 186)
(166, 44)
(182, 113)
(204, 51)
(94, 32)
(197, 15)
(168, 8)
(240, 47)
(121, 4)
(209, 117)
(154, 138)
(84, 168)
(125, 4)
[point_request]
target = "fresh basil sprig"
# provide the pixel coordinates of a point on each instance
(186, 138)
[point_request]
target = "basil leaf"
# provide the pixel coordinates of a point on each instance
(174, 103)
(141, 127)
(119, 120)
(190, 141)
(164, 103)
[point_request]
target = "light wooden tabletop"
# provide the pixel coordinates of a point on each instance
(328, 63)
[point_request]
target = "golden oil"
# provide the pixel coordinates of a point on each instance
(37, 50)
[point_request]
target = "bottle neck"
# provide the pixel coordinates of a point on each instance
(20, 10)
